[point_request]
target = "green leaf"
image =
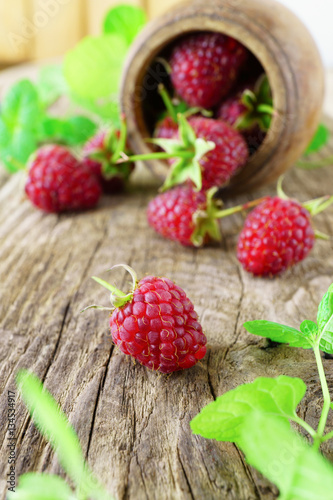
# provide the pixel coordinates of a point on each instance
(107, 108)
(34, 486)
(126, 21)
(310, 329)
(281, 455)
(51, 84)
(20, 107)
(223, 419)
(74, 131)
(279, 333)
(325, 311)
(53, 424)
(19, 118)
(319, 140)
(93, 68)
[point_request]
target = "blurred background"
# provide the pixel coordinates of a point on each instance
(37, 29)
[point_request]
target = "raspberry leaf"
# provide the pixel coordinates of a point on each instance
(35, 486)
(223, 419)
(280, 333)
(72, 131)
(126, 21)
(286, 459)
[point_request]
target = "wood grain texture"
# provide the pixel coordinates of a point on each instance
(133, 424)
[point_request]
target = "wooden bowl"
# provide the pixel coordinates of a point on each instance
(280, 42)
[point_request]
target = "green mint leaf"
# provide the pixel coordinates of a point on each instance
(319, 140)
(20, 107)
(51, 84)
(310, 329)
(20, 112)
(53, 424)
(74, 131)
(279, 333)
(281, 455)
(126, 21)
(93, 68)
(223, 419)
(325, 311)
(35, 486)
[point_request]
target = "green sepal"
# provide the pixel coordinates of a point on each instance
(318, 205)
(259, 104)
(187, 168)
(206, 221)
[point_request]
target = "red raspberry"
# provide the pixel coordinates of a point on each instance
(159, 327)
(230, 153)
(98, 145)
(205, 66)
(166, 128)
(171, 213)
(277, 234)
(231, 110)
(58, 182)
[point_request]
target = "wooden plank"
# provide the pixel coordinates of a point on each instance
(60, 24)
(96, 10)
(134, 424)
(15, 32)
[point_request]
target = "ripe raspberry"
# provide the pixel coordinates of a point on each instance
(98, 145)
(166, 128)
(277, 234)
(230, 153)
(58, 182)
(181, 214)
(155, 323)
(205, 66)
(233, 111)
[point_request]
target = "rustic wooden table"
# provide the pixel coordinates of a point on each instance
(132, 423)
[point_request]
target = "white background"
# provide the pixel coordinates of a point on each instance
(317, 15)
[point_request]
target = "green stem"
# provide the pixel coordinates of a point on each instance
(327, 437)
(325, 162)
(327, 399)
(305, 426)
(158, 156)
(233, 210)
(167, 102)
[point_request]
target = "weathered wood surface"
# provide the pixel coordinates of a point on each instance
(132, 423)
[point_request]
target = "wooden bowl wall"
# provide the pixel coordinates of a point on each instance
(280, 42)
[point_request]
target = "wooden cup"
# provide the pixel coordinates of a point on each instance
(280, 42)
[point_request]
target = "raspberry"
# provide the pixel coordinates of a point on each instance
(277, 234)
(171, 213)
(114, 181)
(230, 153)
(156, 324)
(205, 66)
(166, 128)
(58, 182)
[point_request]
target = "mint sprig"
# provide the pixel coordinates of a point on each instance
(256, 416)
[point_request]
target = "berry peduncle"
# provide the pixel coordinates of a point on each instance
(206, 221)
(117, 297)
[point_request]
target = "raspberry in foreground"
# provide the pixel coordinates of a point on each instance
(58, 182)
(205, 66)
(276, 235)
(156, 324)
